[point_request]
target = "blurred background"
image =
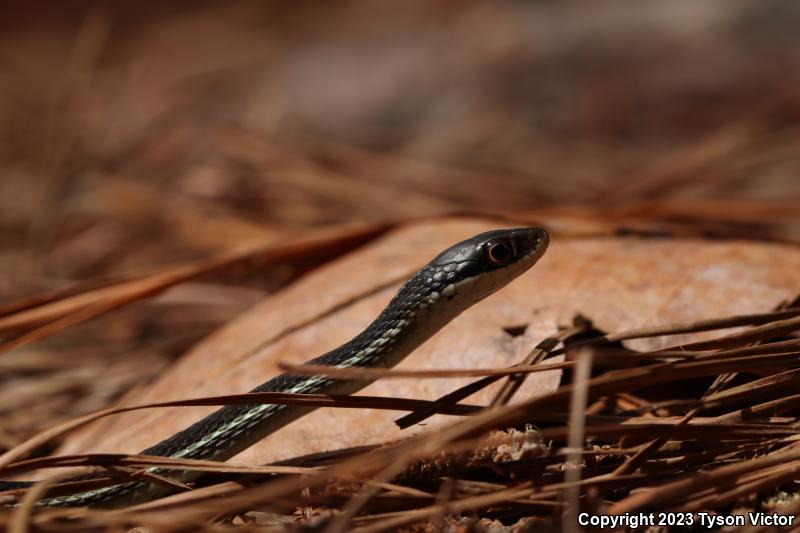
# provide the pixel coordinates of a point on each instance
(137, 138)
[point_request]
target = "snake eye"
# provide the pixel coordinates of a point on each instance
(499, 252)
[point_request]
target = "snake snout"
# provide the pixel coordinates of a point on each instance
(534, 240)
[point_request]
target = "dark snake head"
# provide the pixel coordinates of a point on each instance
(496, 250)
(489, 261)
(471, 270)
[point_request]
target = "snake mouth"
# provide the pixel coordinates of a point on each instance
(529, 246)
(535, 241)
(542, 244)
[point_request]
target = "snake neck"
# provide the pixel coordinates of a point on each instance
(409, 320)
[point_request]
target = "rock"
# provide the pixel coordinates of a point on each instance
(619, 283)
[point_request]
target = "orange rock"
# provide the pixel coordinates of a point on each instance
(619, 283)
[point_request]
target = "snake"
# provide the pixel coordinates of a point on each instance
(454, 280)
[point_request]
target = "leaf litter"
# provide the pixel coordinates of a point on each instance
(733, 442)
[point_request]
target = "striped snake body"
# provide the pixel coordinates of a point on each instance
(454, 280)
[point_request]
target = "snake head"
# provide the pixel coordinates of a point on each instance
(477, 267)
(502, 249)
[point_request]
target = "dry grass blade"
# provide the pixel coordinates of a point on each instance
(46, 316)
(667, 495)
(143, 461)
(576, 435)
(380, 373)
(698, 326)
(286, 398)
(758, 333)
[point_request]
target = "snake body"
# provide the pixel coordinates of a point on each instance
(454, 280)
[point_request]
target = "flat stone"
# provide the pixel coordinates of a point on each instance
(619, 283)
